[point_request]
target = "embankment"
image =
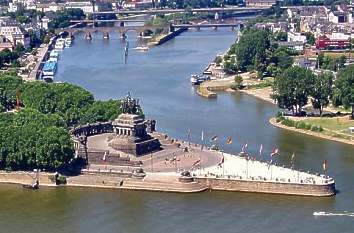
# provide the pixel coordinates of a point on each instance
(223, 184)
(308, 132)
(163, 39)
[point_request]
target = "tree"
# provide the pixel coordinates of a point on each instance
(322, 91)
(344, 88)
(292, 88)
(251, 50)
(310, 38)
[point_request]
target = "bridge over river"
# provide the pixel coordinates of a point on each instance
(193, 10)
(122, 29)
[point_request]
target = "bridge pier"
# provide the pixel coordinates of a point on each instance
(121, 24)
(88, 36)
(105, 35)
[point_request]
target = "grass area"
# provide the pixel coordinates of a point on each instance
(262, 84)
(337, 124)
(338, 54)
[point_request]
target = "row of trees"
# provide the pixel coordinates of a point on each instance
(74, 104)
(10, 57)
(295, 86)
(38, 135)
(254, 51)
(30, 139)
(62, 18)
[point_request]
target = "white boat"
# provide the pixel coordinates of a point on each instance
(54, 54)
(68, 42)
(196, 79)
(323, 213)
(59, 46)
(60, 43)
(141, 48)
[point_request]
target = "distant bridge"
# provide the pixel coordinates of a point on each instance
(209, 25)
(122, 30)
(109, 21)
(194, 10)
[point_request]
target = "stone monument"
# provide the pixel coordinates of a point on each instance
(130, 130)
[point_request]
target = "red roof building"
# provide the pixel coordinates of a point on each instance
(327, 43)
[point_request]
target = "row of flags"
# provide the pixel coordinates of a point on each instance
(274, 152)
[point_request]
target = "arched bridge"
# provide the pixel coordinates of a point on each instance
(122, 30)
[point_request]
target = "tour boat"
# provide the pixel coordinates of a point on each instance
(60, 43)
(323, 213)
(142, 48)
(68, 42)
(49, 68)
(196, 79)
(54, 54)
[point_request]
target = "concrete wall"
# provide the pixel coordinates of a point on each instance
(268, 187)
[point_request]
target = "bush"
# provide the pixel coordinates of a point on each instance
(314, 128)
(300, 125)
(288, 122)
(308, 126)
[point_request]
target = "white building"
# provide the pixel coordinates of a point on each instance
(85, 6)
(296, 36)
(14, 32)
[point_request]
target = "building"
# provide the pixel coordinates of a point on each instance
(85, 6)
(297, 46)
(260, 3)
(337, 17)
(14, 32)
(307, 63)
(296, 36)
(328, 43)
(5, 44)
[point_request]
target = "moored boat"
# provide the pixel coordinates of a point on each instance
(68, 42)
(196, 79)
(49, 68)
(141, 48)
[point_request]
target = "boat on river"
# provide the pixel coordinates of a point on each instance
(68, 42)
(60, 43)
(49, 68)
(141, 48)
(323, 213)
(197, 79)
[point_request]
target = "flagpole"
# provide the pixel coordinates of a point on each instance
(223, 165)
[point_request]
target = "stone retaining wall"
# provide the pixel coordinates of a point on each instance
(268, 187)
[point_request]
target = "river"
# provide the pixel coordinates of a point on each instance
(160, 79)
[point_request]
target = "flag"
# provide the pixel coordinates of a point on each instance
(325, 165)
(202, 135)
(244, 147)
(215, 138)
(292, 160)
(229, 140)
(222, 160)
(260, 149)
(275, 151)
(197, 162)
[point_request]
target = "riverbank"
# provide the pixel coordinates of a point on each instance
(311, 133)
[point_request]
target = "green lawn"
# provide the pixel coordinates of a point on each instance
(337, 124)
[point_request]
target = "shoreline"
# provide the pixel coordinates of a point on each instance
(273, 122)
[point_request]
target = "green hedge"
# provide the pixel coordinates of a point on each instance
(297, 124)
